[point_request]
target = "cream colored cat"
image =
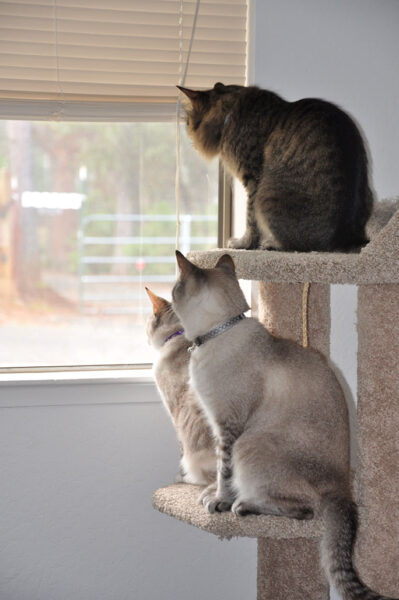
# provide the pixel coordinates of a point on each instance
(278, 414)
(197, 445)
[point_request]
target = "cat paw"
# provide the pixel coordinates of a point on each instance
(243, 243)
(209, 491)
(270, 246)
(212, 502)
(217, 505)
(241, 508)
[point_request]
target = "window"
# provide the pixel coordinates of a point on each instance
(87, 205)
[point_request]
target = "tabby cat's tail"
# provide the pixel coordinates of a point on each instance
(340, 522)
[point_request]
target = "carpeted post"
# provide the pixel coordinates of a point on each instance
(378, 416)
(280, 310)
(290, 569)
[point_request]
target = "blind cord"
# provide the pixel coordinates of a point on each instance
(59, 112)
(178, 107)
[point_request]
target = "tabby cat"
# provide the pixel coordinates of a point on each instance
(278, 415)
(197, 446)
(303, 164)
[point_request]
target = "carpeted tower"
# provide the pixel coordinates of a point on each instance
(288, 554)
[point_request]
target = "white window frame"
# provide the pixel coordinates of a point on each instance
(32, 110)
(98, 112)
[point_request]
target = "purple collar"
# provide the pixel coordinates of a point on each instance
(175, 334)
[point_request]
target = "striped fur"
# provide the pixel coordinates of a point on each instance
(340, 521)
(303, 164)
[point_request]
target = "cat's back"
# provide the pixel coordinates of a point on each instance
(327, 119)
(171, 372)
(255, 106)
(254, 112)
(302, 382)
(270, 120)
(286, 368)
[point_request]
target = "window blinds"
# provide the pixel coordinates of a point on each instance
(90, 58)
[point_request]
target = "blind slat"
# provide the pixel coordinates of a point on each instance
(15, 65)
(154, 5)
(137, 42)
(152, 11)
(74, 51)
(147, 23)
(166, 90)
(10, 51)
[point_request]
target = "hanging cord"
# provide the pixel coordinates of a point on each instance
(59, 112)
(305, 307)
(141, 212)
(182, 80)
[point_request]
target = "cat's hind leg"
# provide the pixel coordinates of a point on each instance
(265, 482)
(287, 507)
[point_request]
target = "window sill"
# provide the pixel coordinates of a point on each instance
(78, 388)
(78, 377)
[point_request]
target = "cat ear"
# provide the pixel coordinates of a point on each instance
(186, 267)
(226, 263)
(196, 97)
(191, 94)
(158, 304)
(219, 87)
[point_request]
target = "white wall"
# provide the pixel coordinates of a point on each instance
(76, 521)
(345, 51)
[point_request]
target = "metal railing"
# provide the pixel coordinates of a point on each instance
(94, 302)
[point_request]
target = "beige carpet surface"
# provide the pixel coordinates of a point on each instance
(378, 262)
(290, 570)
(180, 501)
(378, 430)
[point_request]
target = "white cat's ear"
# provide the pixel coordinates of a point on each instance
(158, 304)
(186, 267)
(226, 263)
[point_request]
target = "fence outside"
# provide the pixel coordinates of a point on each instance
(90, 301)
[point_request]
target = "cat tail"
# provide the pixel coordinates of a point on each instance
(339, 515)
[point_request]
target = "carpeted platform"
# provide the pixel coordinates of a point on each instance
(378, 262)
(179, 500)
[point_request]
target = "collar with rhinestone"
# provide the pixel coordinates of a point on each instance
(221, 328)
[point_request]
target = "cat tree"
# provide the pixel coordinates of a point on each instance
(288, 550)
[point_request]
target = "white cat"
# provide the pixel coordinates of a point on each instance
(278, 414)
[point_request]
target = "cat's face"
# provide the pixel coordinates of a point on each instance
(202, 298)
(162, 321)
(206, 113)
